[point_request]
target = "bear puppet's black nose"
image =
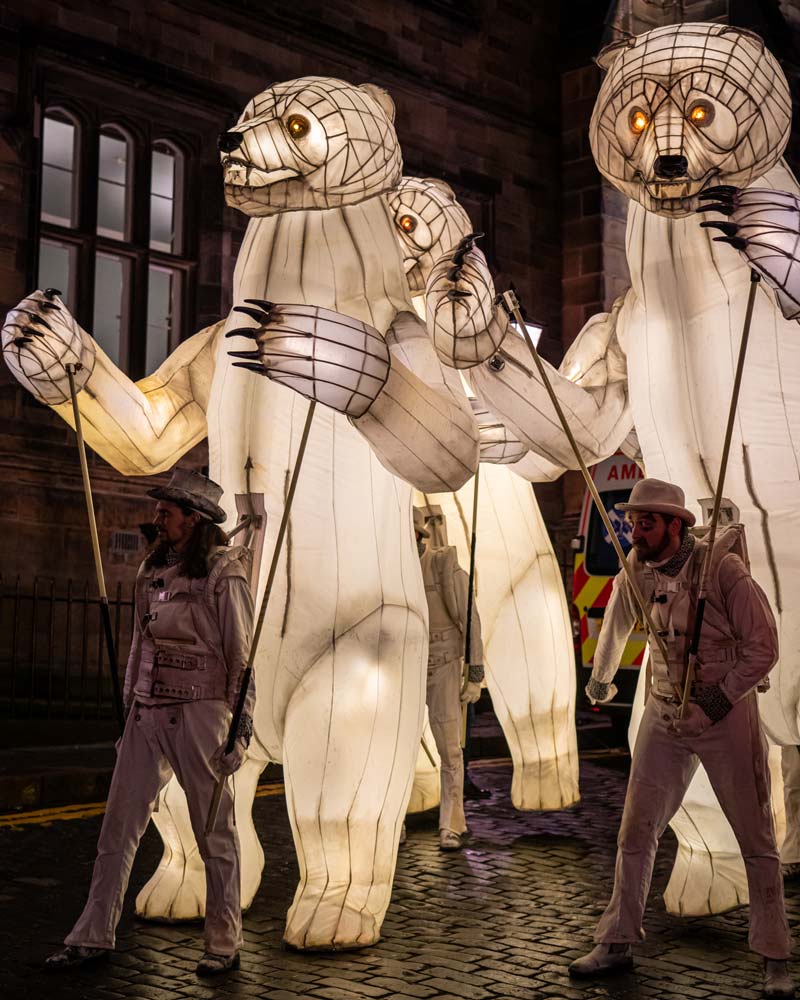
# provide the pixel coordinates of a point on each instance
(671, 166)
(228, 141)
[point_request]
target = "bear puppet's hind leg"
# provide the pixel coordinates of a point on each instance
(348, 789)
(176, 890)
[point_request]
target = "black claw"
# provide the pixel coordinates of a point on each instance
(459, 255)
(470, 238)
(723, 208)
(244, 331)
(455, 294)
(721, 189)
(454, 274)
(729, 228)
(261, 303)
(714, 194)
(253, 355)
(50, 306)
(735, 241)
(50, 293)
(259, 369)
(257, 314)
(19, 341)
(35, 318)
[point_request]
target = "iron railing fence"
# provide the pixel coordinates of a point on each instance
(53, 657)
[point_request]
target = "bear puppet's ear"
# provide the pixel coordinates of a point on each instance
(730, 29)
(443, 186)
(608, 54)
(381, 97)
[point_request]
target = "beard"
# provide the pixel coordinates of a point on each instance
(652, 553)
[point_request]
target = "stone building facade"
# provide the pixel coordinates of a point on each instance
(493, 96)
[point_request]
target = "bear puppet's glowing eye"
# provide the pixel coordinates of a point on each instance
(638, 121)
(701, 113)
(407, 223)
(297, 126)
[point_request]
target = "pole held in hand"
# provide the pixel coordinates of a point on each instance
(712, 530)
(470, 602)
(105, 612)
(248, 671)
(512, 304)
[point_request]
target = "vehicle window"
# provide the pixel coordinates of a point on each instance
(601, 559)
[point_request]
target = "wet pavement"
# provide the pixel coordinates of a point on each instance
(503, 919)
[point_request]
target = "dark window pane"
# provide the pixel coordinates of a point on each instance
(56, 196)
(601, 559)
(111, 210)
(58, 143)
(163, 173)
(58, 172)
(55, 268)
(165, 163)
(113, 159)
(161, 299)
(161, 235)
(109, 303)
(112, 202)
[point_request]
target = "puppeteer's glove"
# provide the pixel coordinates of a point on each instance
(599, 693)
(229, 763)
(694, 722)
(471, 692)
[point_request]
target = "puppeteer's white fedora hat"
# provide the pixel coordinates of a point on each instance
(658, 497)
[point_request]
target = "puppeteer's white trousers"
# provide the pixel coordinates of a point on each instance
(734, 754)
(444, 714)
(159, 740)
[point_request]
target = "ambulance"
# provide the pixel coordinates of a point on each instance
(596, 565)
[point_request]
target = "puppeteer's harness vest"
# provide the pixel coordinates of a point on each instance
(438, 573)
(673, 591)
(181, 654)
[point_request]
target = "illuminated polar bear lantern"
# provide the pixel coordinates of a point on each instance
(341, 666)
(527, 634)
(681, 109)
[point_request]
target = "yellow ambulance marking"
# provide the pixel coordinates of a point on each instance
(584, 599)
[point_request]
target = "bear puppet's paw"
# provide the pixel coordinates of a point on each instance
(324, 355)
(764, 226)
(40, 338)
(463, 318)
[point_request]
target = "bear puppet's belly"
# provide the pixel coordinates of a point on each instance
(681, 335)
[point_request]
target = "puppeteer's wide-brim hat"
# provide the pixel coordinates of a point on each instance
(194, 490)
(657, 497)
(419, 524)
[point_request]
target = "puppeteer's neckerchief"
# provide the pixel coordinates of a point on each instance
(674, 565)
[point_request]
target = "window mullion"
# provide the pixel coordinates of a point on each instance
(86, 216)
(137, 315)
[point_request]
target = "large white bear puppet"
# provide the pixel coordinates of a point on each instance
(683, 109)
(341, 666)
(527, 636)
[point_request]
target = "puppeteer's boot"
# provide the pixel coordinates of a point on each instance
(777, 981)
(215, 965)
(602, 960)
(74, 957)
(449, 840)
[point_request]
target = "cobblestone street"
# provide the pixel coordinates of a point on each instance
(501, 920)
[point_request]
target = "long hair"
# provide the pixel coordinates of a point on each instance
(194, 558)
